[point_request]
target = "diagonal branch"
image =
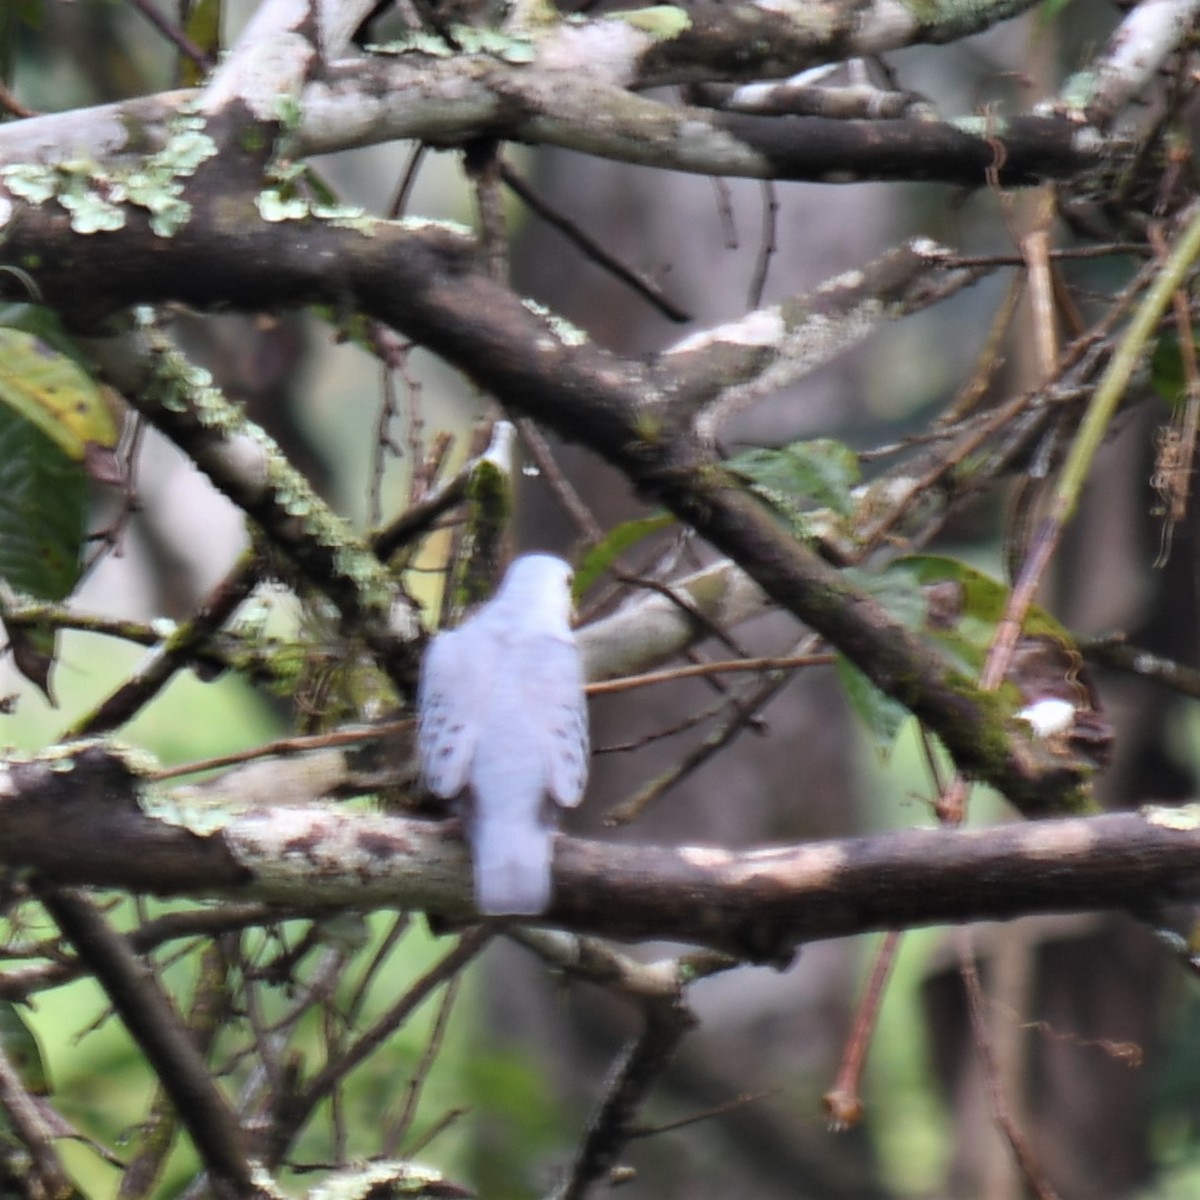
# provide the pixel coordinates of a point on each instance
(156, 1027)
(423, 282)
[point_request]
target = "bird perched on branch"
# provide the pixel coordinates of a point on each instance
(502, 717)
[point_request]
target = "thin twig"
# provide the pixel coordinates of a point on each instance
(728, 667)
(1029, 1166)
(177, 650)
(153, 1023)
(411, 169)
(843, 1101)
(394, 1136)
(331, 1075)
(564, 491)
(767, 250)
(592, 249)
(47, 1178)
(174, 35)
(285, 747)
(635, 1072)
(744, 705)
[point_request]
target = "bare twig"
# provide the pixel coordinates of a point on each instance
(636, 1071)
(842, 1101)
(172, 33)
(1030, 1169)
(47, 1179)
(467, 947)
(156, 1027)
(592, 249)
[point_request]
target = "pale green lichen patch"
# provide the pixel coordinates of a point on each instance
(274, 206)
(181, 386)
(95, 196)
(30, 181)
(91, 211)
(189, 809)
(660, 20)
(285, 201)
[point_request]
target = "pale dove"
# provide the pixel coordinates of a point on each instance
(502, 715)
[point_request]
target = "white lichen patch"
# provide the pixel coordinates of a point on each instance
(1048, 717)
(709, 857)
(421, 224)
(244, 456)
(263, 69)
(848, 281)
(380, 1178)
(1056, 840)
(926, 247)
(274, 206)
(814, 866)
(884, 25)
(1185, 817)
(763, 327)
(563, 330)
(606, 50)
(283, 846)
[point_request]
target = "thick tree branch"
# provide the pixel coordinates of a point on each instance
(455, 102)
(89, 820)
(423, 282)
(246, 464)
(733, 365)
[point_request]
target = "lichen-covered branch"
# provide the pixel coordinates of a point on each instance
(423, 282)
(730, 366)
(245, 463)
(1132, 55)
(84, 816)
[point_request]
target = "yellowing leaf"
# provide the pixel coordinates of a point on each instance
(52, 391)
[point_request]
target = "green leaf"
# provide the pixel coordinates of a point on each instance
(43, 497)
(1051, 9)
(955, 607)
(204, 30)
(49, 389)
(22, 1050)
(952, 604)
(600, 557)
(903, 598)
(801, 476)
(899, 592)
(882, 715)
(980, 598)
(1167, 375)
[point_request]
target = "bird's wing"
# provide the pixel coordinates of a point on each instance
(451, 698)
(561, 706)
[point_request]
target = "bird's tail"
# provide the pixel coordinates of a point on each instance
(512, 866)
